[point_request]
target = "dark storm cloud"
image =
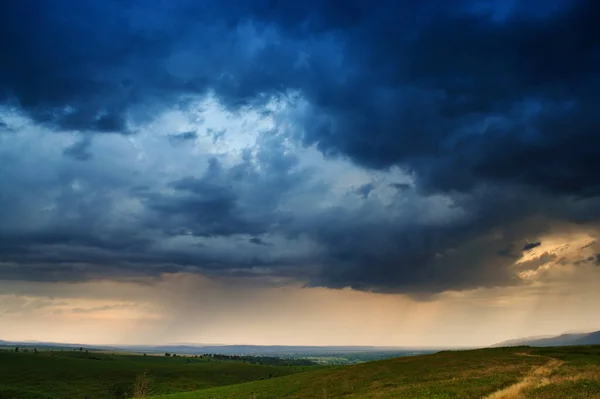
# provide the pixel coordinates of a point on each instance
(80, 150)
(469, 101)
(85, 236)
(178, 138)
(401, 186)
(225, 201)
(531, 245)
(386, 255)
(257, 241)
(216, 134)
(364, 190)
(85, 66)
(497, 110)
(207, 206)
(456, 96)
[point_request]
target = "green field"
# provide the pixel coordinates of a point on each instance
(548, 373)
(520, 372)
(74, 375)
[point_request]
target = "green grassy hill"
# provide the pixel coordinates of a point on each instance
(79, 375)
(523, 372)
(520, 372)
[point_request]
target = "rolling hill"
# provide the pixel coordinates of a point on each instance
(524, 372)
(67, 373)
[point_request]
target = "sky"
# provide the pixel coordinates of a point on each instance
(398, 173)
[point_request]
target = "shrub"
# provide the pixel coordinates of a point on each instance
(141, 386)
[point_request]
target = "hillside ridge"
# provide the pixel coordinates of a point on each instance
(565, 339)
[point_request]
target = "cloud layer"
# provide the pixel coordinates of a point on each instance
(417, 147)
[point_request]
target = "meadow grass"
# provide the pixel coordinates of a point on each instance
(448, 374)
(519, 372)
(74, 375)
(577, 378)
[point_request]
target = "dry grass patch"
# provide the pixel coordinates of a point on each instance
(538, 377)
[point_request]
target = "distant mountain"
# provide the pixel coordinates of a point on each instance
(590, 338)
(519, 341)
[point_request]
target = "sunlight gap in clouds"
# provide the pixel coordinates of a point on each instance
(563, 249)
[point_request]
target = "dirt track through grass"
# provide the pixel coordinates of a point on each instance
(538, 377)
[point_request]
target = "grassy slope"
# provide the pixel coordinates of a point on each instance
(76, 375)
(577, 378)
(464, 374)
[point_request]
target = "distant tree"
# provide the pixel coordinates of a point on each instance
(35, 350)
(17, 349)
(145, 354)
(80, 349)
(167, 354)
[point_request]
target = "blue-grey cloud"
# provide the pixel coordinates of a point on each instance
(365, 190)
(80, 150)
(178, 138)
(257, 241)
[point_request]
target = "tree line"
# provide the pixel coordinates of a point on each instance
(267, 360)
